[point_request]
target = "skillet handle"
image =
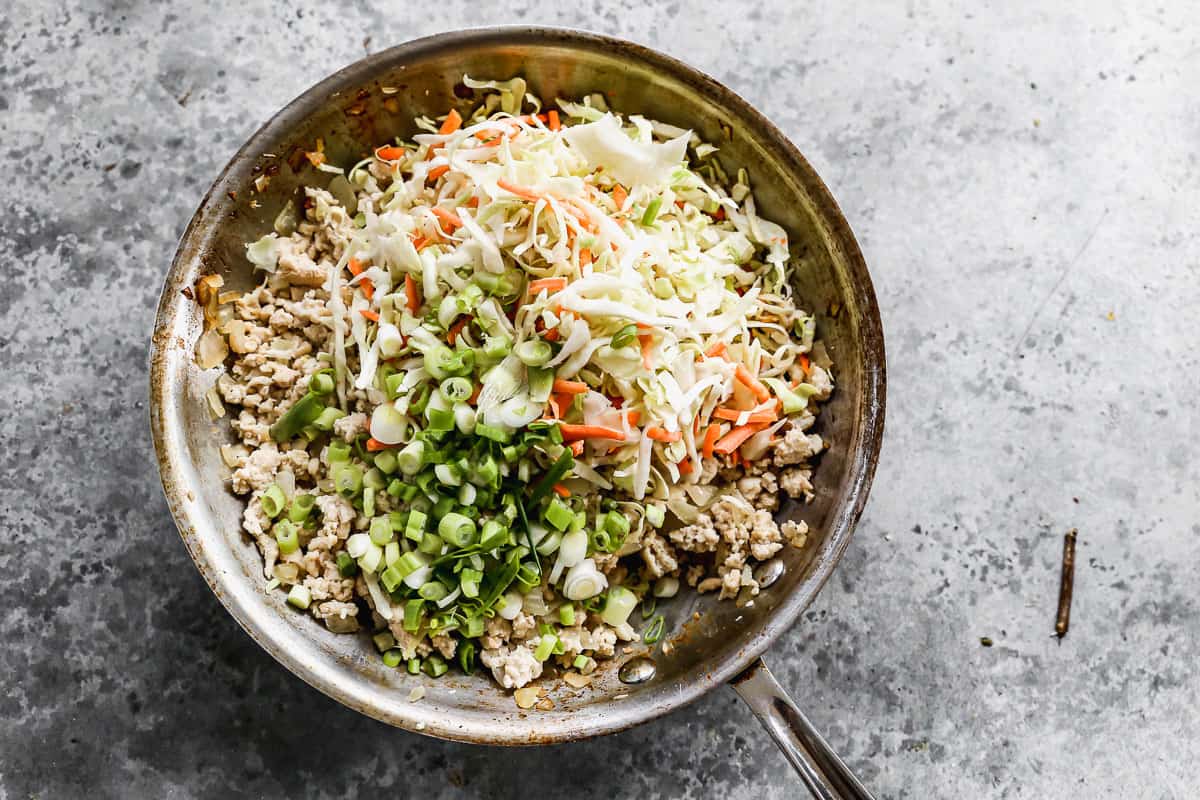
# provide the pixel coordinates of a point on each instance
(818, 766)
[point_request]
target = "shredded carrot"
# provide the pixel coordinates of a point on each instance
(389, 153)
(369, 314)
(410, 295)
(756, 418)
(695, 426)
(472, 203)
(475, 394)
(549, 284)
(752, 383)
(448, 218)
(437, 172)
(633, 416)
(355, 266)
(523, 192)
(368, 289)
(456, 329)
(551, 335)
(710, 438)
(736, 438)
(552, 116)
(555, 411)
(421, 242)
(563, 402)
(716, 351)
(663, 435)
(374, 445)
(563, 386)
(719, 214)
(585, 257)
(573, 433)
(805, 364)
(453, 122)
(685, 466)
(577, 448)
(561, 490)
(619, 195)
(647, 350)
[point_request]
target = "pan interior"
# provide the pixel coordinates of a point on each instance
(374, 101)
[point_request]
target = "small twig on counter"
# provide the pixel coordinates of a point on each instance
(1067, 585)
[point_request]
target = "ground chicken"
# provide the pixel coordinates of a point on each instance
(765, 540)
(496, 633)
(257, 524)
(410, 646)
(336, 517)
(604, 641)
(512, 669)
(296, 267)
(822, 380)
(658, 555)
(795, 447)
(445, 644)
(760, 490)
(797, 482)
(523, 625)
(695, 573)
(350, 426)
(796, 533)
(259, 470)
(699, 537)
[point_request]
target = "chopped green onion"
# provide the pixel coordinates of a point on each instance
(381, 531)
(545, 646)
(566, 615)
(648, 606)
(391, 578)
(299, 596)
(372, 558)
(384, 640)
(619, 605)
(273, 500)
(325, 421)
(448, 475)
(558, 514)
(655, 631)
(373, 479)
(490, 432)
(413, 666)
(435, 666)
(346, 566)
(494, 535)
(497, 347)
(534, 352)
(411, 458)
(412, 615)
(321, 382)
(414, 528)
(457, 529)
(624, 337)
(541, 383)
(652, 211)
(456, 390)
(440, 419)
(431, 544)
(469, 580)
(338, 452)
(616, 524)
(287, 535)
(302, 413)
(348, 480)
(580, 662)
(301, 507)
(549, 543)
(474, 627)
(433, 591)
(409, 563)
(392, 658)
(385, 461)
(655, 515)
(392, 384)
(466, 656)
(441, 362)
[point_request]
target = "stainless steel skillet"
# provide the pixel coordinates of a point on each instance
(375, 100)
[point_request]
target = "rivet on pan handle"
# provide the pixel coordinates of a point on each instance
(818, 766)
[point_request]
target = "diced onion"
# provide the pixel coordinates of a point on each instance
(388, 425)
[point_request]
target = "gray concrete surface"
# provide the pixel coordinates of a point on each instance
(1023, 179)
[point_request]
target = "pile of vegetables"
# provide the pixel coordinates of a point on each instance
(564, 324)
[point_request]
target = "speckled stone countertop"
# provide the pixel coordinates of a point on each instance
(1024, 184)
